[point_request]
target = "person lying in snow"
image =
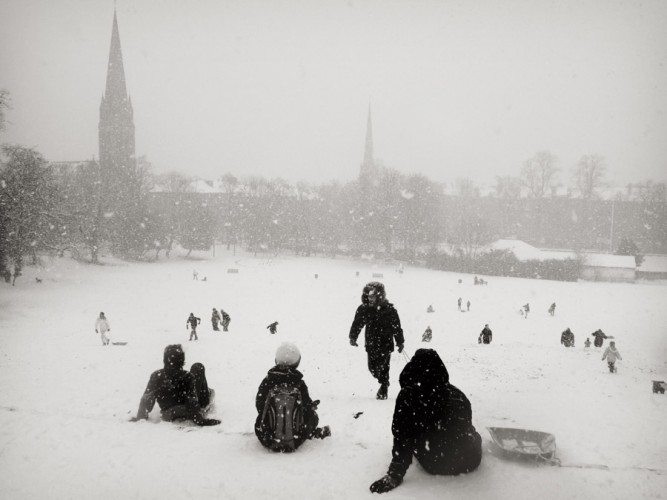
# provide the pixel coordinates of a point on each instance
(432, 421)
(181, 395)
(286, 416)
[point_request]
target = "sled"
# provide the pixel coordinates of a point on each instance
(523, 443)
(118, 343)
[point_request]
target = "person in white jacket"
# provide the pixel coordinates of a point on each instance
(102, 327)
(611, 355)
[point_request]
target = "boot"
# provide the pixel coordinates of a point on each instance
(382, 392)
(322, 432)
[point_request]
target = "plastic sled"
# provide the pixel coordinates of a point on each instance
(523, 443)
(118, 343)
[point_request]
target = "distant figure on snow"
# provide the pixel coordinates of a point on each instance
(468, 306)
(430, 309)
(215, 319)
(432, 421)
(526, 310)
(181, 395)
(587, 344)
(611, 355)
(476, 280)
(485, 336)
(383, 328)
(599, 337)
(427, 335)
(567, 338)
(192, 323)
(195, 274)
(273, 327)
(459, 302)
(286, 416)
(226, 319)
(102, 327)
(552, 309)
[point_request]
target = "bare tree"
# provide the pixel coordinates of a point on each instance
(508, 187)
(539, 174)
(588, 174)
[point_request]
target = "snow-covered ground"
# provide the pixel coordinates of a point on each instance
(66, 400)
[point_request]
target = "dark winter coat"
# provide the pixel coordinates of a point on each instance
(193, 321)
(432, 421)
(599, 338)
(485, 336)
(567, 338)
(383, 327)
(215, 317)
(170, 387)
(277, 375)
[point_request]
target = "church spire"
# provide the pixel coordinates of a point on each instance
(116, 88)
(368, 164)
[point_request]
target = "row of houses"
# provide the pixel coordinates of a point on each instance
(595, 266)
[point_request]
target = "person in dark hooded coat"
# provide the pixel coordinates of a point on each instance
(180, 394)
(432, 421)
(383, 327)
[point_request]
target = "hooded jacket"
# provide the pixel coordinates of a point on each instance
(381, 320)
(432, 420)
(611, 354)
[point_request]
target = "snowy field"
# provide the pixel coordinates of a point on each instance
(66, 399)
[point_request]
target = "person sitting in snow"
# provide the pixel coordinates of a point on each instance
(430, 309)
(192, 322)
(282, 381)
(102, 327)
(215, 319)
(587, 344)
(611, 355)
(225, 320)
(485, 336)
(427, 335)
(567, 338)
(181, 395)
(432, 421)
(599, 337)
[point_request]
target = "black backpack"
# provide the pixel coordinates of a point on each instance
(282, 419)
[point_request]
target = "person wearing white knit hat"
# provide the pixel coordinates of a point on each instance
(286, 415)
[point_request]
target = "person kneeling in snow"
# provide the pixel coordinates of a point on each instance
(286, 416)
(432, 421)
(181, 395)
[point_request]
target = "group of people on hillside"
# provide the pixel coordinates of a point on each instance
(432, 419)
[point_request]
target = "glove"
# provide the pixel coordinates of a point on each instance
(354, 343)
(315, 404)
(400, 348)
(387, 483)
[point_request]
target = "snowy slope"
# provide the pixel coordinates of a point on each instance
(66, 399)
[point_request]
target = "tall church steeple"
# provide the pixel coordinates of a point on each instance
(116, 127)
(368, 165)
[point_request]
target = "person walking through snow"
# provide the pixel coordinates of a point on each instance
(102, 327)
(215, 319)
(383, 328)
(192, 323)
(611, 354)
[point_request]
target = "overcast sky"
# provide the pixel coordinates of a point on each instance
(466, 88)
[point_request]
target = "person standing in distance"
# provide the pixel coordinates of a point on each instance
(383, 327)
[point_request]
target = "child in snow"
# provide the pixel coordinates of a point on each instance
(468, 306)
(433, 422)
(599, 337)
(102, 327)
(428, 334)
(192, 323)
(567, 338)
(180, 394)
(587, 344)
(430, 309)
(526, 310)
(552, 309)
(611, 355)
(459, 302)
(273, 327)
(485, 336)
(215, 319)
(225, 320)
(284, 375)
